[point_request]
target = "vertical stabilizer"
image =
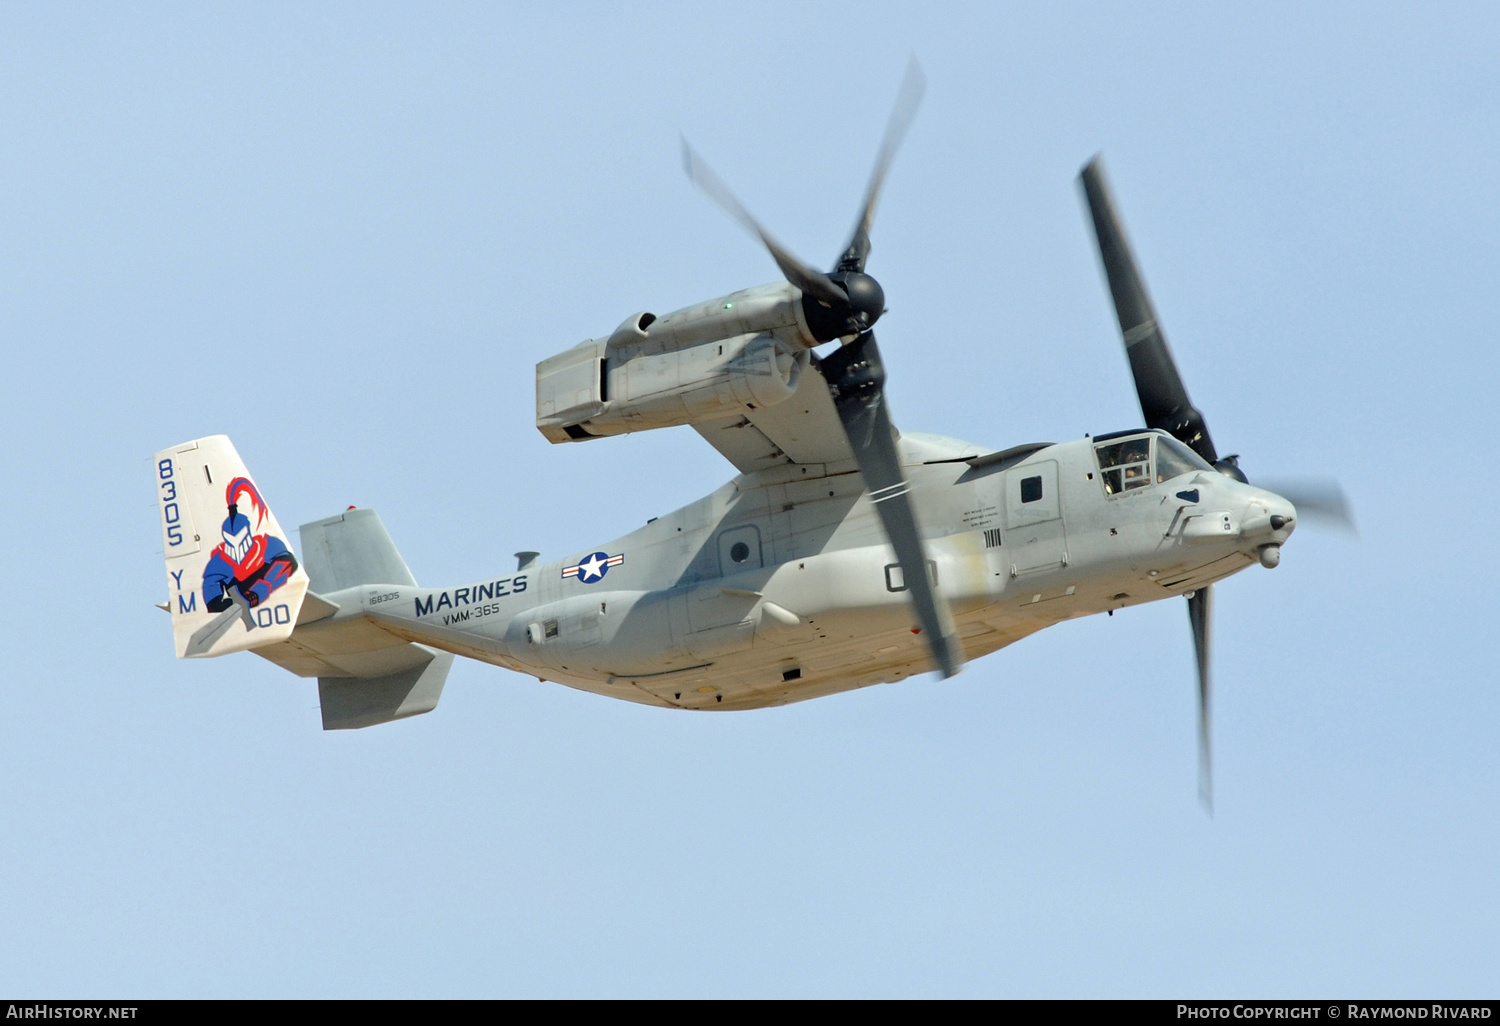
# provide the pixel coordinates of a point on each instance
(351, 548)
(233, 583)
(349, 703)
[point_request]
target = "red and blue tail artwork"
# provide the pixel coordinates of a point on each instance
(254, 564)
(241, 590)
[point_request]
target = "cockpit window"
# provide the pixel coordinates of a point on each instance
(1125, 465)
(1174, 459)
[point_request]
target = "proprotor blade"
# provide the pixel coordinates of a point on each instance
(1316, 499)
(908, 99)
(1200, 612)
(1164, 399)
(856, 379)
(814, 283)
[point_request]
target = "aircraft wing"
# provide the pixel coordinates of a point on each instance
(804, 429)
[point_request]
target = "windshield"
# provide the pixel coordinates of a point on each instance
(1173, 459)
(1127, 463)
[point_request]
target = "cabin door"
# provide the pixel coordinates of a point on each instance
(1035, 538)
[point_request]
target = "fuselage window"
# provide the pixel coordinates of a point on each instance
(1125, 465)
(1031, 489)
(739, 552)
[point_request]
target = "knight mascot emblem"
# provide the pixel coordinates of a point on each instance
(250, 563)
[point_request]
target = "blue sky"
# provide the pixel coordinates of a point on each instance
(345, 234)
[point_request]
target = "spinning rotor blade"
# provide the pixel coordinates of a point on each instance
(856, 379)
(1317, 499)
(1165, 404)
(1164, 399)
(908, 99)
(814, 283)
(1200, 612)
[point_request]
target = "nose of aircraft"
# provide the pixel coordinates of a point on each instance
(1277, 523)
(1283, 513)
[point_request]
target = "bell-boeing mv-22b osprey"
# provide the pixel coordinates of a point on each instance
(843, 554)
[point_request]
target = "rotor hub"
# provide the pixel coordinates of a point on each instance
(856, 314)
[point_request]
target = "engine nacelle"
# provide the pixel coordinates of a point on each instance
(741, 352)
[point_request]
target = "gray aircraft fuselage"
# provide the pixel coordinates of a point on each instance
(781, 586)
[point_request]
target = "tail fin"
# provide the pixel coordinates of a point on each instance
(349, 549)
(352, 702)
(365, 675)
(233, 582)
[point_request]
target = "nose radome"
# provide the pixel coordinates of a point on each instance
(1264, 513)
(1279, 523)
(1283, 513)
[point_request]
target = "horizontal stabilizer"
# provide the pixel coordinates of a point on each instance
(366, 675)
(352, 702)
(234, 584)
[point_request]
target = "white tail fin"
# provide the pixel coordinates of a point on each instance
(232, 580)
